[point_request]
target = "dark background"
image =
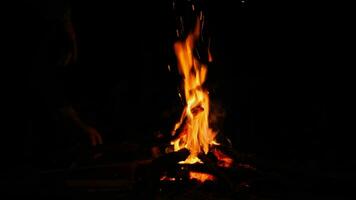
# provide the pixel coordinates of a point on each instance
(278, 76)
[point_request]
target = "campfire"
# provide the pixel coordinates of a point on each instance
(194, 152)
(192, 138)
(192, 131)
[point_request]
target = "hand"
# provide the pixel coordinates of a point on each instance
(94, 136)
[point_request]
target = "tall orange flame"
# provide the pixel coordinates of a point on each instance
(195, 134)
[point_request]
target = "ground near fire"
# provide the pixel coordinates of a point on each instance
(179, 99)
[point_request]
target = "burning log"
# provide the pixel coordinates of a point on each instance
(219, 173)
(148, 176)
(171, 158)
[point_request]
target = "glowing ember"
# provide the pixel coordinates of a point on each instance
(195, 134)
(223, 160)
(201, 177)
(166, 178)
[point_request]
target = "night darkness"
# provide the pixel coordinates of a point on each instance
(276, 85)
